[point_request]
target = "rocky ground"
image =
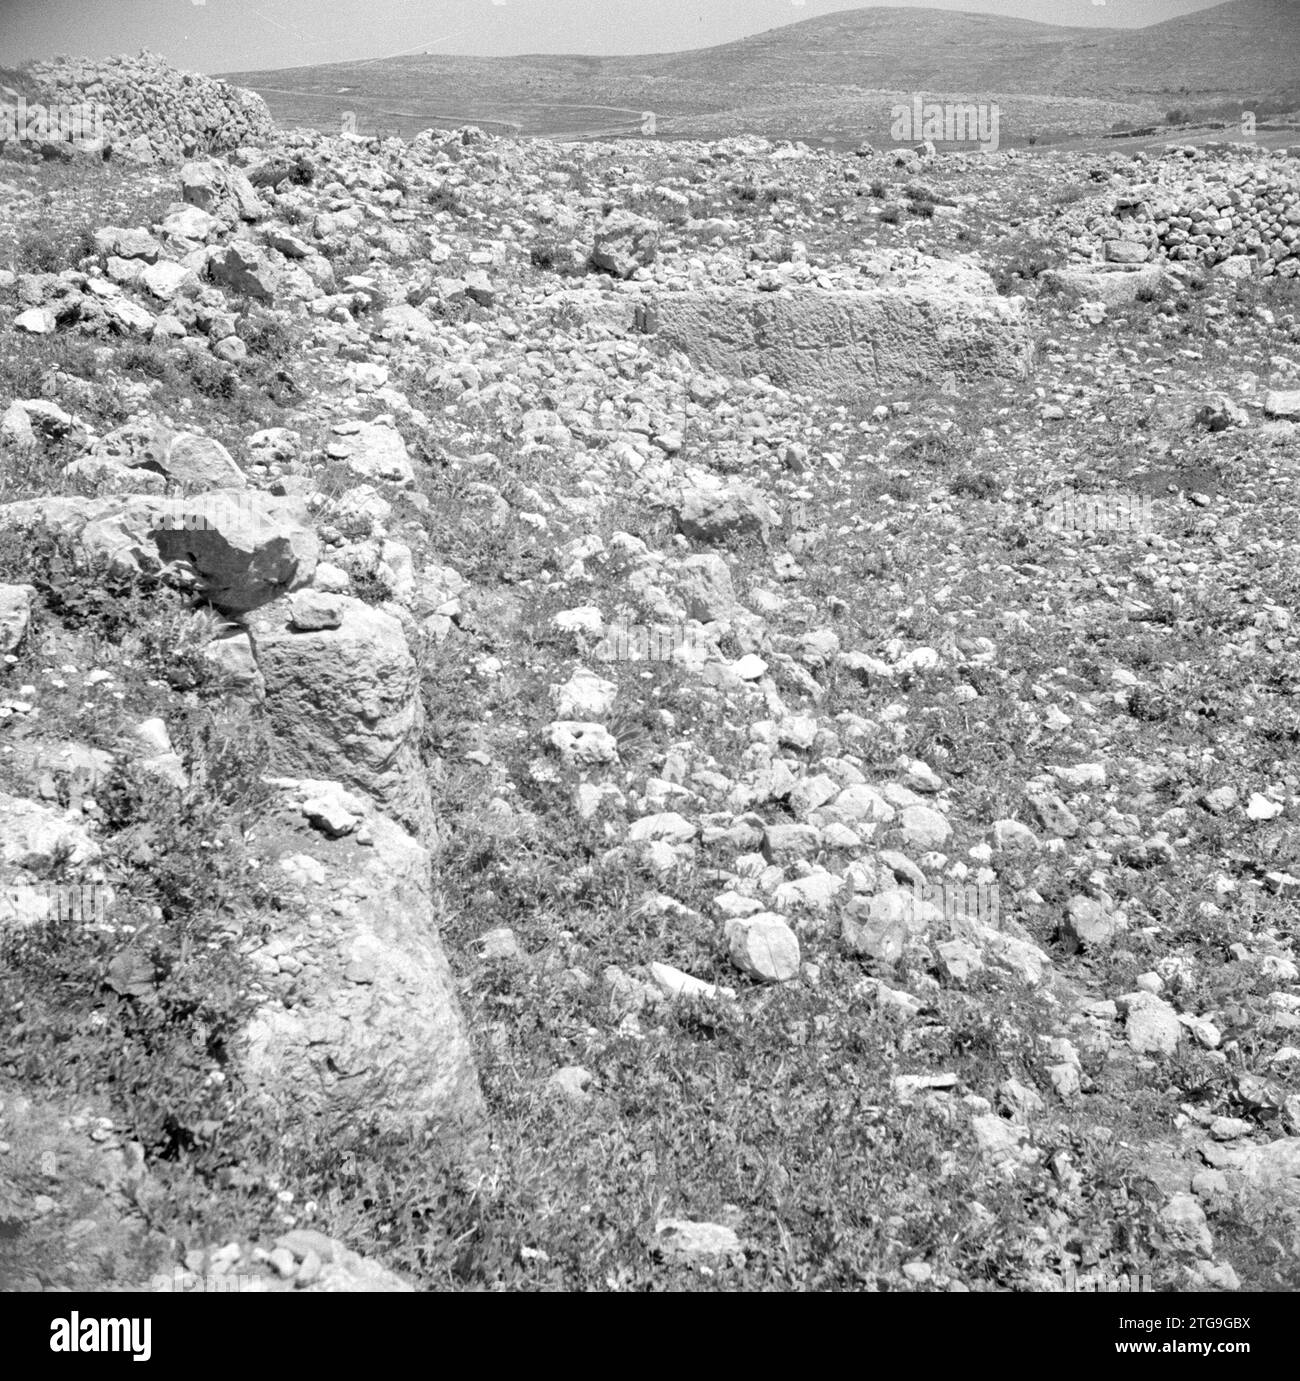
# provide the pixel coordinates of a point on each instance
(657, 716)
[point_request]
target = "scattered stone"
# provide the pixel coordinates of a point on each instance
(674, 983)
(1066, 1080)
(1013, 836)
(1261, 808)
(716, 515)
(222, 191)
(679, 1240)
(315, 610)
(925, 828)
(373, 450)
(328, 815)
(1283, 404)
(1006, 1144)
(585, 743)
(625, 242)
(764, 947)
(1150, 1024)
(960, 960)
(1184, 1222)
(571, 1083)
(243, 268)
(585, 696)
(15, 615)
(1094, 922)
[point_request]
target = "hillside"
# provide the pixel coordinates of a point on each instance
(838, 75)
(1251, 47)
(882, 49)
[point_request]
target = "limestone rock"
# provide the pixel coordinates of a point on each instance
(582, 742)
(1005, 1143)
(15, 615)
(16, 428)
(165, 280)
(221, 191)
(314, 610)
(672, 982)
(818, 340)
(198, 462)
(1013, 835)
(246, 548)
(1273, 1168)
(1126, 252)
(232, 654)
(377, 1010)
(33, 837)
(373, 450)
(585, 696)
(1093, 922)
(1111, 284)
(127, 244)
(715, 515)
(679, 1240)
(925, 828)
(571, 1084)
(882, 925)
(1150, 1023)
(706, 587)
(1283, 404)
(242, 267)
(764, 947)
(624, 243)
(344, 703)
(1183, 1220)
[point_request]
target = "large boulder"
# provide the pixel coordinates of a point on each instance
(197, 462)
(221, 191)
(373, 450)
(1272, 1168)
(243, 268)
(127, 243)
(344, 702)
(1115, 285)
(625, 242)
(725, 512)
(244, 548)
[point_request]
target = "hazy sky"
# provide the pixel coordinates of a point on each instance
(234, 35)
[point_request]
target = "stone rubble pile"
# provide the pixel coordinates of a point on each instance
(1204, 207)
(148, 111)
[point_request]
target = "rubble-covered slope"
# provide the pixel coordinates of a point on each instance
(831, 829)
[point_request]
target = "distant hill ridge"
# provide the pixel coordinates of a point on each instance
(1246, 50)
